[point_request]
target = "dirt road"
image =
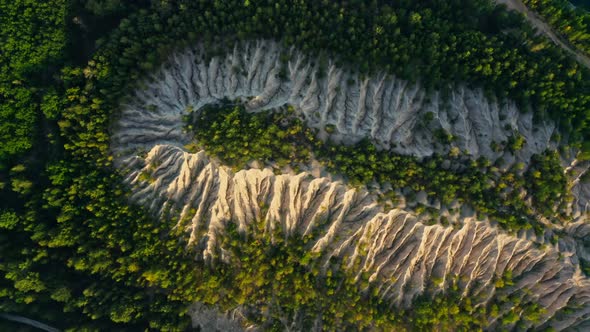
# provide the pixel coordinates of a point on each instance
(28, 321)
(545, 29)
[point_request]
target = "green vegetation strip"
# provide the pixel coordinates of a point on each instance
(279, 138)
(276, 280)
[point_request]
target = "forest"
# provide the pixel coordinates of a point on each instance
(572, 23)
(76, 255)
(237, 138)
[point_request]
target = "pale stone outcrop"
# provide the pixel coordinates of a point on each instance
(400, 254)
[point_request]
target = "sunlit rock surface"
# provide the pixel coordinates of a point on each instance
(397, 251)
(396, 115)
(400, 254)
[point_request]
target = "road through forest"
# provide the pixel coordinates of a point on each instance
(544, 28)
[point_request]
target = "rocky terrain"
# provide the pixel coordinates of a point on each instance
(398, 252)
(391, 112)
(402, 255)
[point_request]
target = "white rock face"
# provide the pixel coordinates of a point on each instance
(400, 254)
(211, 320)
(389, 111)
(580, 188)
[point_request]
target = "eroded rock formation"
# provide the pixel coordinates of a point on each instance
(401, 254)
(392, 112)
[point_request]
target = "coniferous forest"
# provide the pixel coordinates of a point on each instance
(78, 254)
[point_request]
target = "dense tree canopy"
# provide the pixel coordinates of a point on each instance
(571, 23)
(76, 254)
(33, 40)
(278, 139)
